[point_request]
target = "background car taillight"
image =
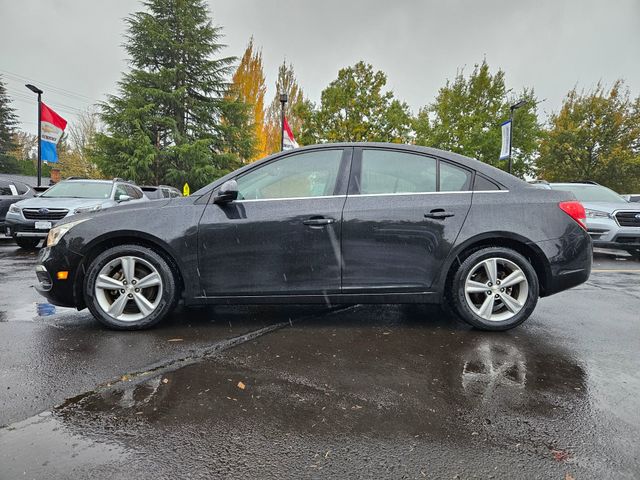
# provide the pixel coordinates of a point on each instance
(576, 211)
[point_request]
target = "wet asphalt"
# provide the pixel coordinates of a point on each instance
(296, 392)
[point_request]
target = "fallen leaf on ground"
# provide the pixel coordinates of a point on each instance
(568, 476)
(560, 455)
(241, 386)
(165, 380)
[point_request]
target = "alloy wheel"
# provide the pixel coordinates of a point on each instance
(496, 289)
(128, 288)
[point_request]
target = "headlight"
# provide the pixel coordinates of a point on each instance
(596, 214)
(14, 209)
(56, 233)
(95, 208)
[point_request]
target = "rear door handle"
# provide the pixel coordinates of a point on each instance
(318, 221)
(438, 214)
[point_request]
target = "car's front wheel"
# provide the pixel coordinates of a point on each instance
(27, 243)
(130, 287)
(495, 288)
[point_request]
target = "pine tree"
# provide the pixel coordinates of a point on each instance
(285, 83)
(249, 85)
(8, 121)
(173, 120)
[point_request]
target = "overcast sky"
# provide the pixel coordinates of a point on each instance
(75, 45)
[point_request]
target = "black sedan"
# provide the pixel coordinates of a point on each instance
(341, 223)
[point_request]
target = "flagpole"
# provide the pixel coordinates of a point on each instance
(35, 89)
(283, 101)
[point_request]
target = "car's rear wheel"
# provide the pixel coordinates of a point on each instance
(28, 243)
(130, 287)
(494, 288)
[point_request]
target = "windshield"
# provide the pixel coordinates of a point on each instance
(591, 193)
(79, 190)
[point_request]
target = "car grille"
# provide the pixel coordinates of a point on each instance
(44, 213)
(628, 219)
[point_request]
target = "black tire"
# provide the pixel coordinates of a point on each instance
(28, 243)
(457, 295)
(167, 300)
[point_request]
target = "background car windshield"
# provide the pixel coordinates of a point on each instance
(311, 174)
(591, 193)
(79, 190)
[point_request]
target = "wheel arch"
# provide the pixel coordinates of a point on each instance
(516, 242)
(112, 239)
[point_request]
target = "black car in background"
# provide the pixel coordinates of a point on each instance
(11, 192)
(335, 223)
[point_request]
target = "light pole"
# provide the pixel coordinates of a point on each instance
(35, 89)
(283, 100)
(513, 107)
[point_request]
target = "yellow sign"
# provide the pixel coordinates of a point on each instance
(186, 190)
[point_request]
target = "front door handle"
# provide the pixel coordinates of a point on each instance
(319, 221)
(438, 214)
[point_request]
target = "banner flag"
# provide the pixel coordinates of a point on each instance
(52, 126)
(289, 143)
(506, 140)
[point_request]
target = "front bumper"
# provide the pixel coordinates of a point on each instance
(21, 227)
(607, 233)
(59, 292)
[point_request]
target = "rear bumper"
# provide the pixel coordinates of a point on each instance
(569, 261)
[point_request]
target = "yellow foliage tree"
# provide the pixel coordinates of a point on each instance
(249, 85)
(285, 83)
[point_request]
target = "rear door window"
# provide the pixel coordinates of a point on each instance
(454, 179)
(387, 171)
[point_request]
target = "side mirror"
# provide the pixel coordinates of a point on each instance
(228, 192)
(124, 198)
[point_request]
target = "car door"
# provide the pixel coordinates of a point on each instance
(282, 235)
(403, 213)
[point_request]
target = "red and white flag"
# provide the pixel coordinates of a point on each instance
(288, 142)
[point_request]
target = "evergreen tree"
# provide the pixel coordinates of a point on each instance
(285, 83)
(173, 120)
(355, 108)
(594, 136)
(466, 116)
(249, 85)
(8, 121)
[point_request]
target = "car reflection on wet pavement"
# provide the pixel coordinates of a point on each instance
(366, 392)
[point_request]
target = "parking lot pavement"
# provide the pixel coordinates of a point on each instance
(369, 392)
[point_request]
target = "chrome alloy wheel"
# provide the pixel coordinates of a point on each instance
(496, 289)
(128, 288)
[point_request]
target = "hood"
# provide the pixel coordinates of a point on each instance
(68, 203)
(611, 207)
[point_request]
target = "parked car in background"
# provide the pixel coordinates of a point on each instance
(341, 223)
(29, 221)
(160, 191)
(10, 193)
(612, 222)
(633, 198)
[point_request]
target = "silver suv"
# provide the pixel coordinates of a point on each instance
(29, 221)
(612, 222)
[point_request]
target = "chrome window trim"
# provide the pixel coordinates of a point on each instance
(367, 195)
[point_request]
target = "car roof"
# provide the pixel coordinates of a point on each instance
(494, 173)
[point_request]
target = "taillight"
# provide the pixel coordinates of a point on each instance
(576, 211)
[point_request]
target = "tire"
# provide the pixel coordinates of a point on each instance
(28, 243)
(132, 307)
(508, 306)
